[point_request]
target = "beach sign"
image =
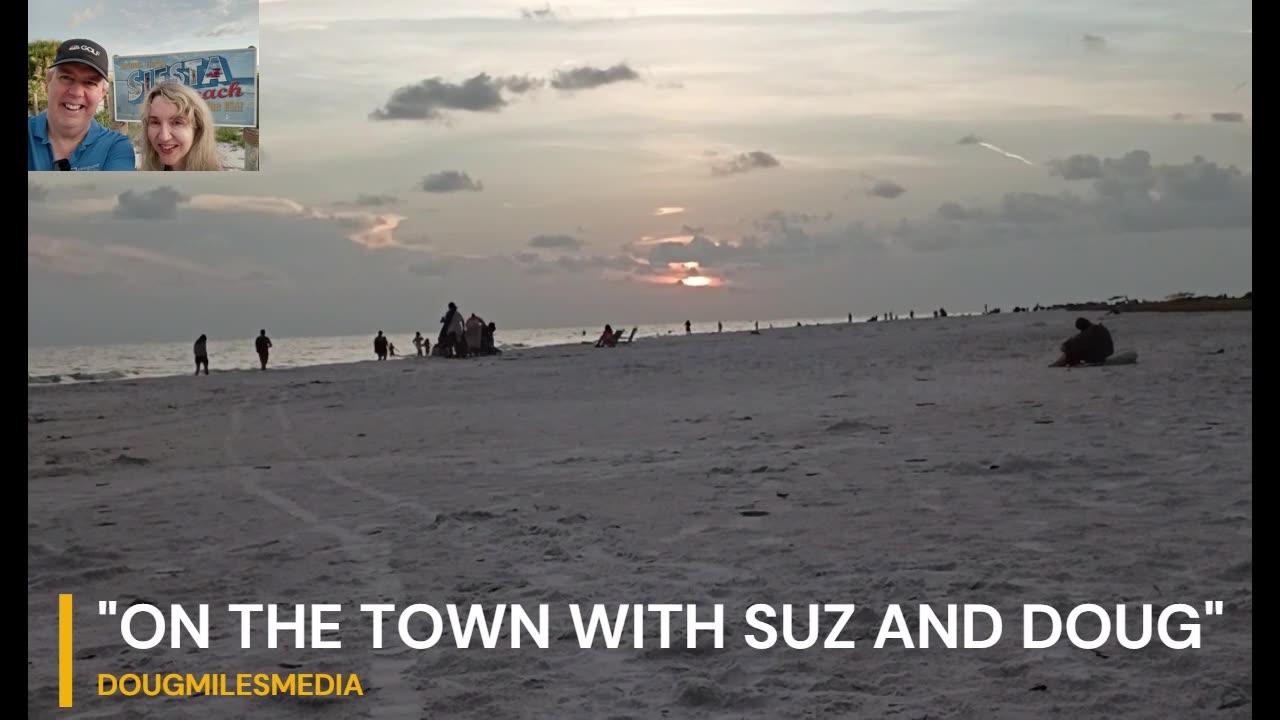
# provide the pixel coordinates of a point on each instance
(226, 79)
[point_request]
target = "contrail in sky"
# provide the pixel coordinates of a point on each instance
(975, 140)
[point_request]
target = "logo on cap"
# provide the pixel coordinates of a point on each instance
(85, 48)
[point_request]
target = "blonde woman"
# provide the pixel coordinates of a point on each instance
(180, 130)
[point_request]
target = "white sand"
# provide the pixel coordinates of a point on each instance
(928, 461)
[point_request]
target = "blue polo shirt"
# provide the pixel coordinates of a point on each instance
(101, 149)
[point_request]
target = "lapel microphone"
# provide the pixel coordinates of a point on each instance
(63, 164)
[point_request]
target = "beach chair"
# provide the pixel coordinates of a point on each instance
(630, 338)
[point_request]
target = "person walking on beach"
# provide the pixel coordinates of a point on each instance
(688, 327)
(380, 346)
(263, 345)
(417, 343)
(202, 354)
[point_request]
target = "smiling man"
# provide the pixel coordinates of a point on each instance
(66, 136)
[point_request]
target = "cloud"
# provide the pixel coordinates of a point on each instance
(1228, 117)
(1129, 194)
(137, 265)
(226, 29)
(36, 193)
(1179, 116)
(1126, 194)
(448, 181)
(550, 242)
(363, 200)
(1094, 42)
(745, 162)
(1076, 167)
(84, 15)
(543, 13)
(375, 231)
(158, 204)
(886, 189)
(668, 211)
(586, 77)
(424, 101)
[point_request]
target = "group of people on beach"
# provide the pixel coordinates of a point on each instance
(179, 130)
(460, 338)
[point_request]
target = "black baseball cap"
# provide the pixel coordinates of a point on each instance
(85, 52)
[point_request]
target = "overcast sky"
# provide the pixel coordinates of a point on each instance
(548, 165)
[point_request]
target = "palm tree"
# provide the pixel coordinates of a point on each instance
(40, 55)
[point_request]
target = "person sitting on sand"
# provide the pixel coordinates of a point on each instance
(380, 346)
(1091, 346)
(202, 354)
(263, 345)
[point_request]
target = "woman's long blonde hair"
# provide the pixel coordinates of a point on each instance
(204, 145)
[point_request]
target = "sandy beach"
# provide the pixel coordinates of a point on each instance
(927, 461)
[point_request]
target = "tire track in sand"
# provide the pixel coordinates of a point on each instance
(395, 697)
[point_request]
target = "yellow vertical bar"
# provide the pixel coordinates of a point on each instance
(64, 650)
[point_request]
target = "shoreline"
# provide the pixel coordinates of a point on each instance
(560, 348)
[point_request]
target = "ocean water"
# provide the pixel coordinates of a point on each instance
(96, 363)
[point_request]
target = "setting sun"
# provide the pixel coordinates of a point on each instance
(696, 281)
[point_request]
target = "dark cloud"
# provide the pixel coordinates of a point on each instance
(1135, 195)
(36, 193)
(1130, 194)
(448, 181)
(1229, 117)
(1076, 167)
(158, 204)
(1094, 42)
(424, 101)
(745, 162)
(886, 189)
(586, 77)
(550, 242)
(969, 139)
